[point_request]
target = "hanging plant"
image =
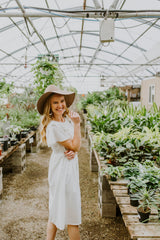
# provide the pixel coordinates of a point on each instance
(6, 88)
(46, 73)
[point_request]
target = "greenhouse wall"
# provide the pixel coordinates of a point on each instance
(150, 90)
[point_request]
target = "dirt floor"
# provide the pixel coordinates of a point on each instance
(24, 208)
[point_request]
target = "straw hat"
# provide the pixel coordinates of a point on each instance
(69, 97)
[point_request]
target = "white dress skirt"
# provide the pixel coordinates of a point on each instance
(63, 177)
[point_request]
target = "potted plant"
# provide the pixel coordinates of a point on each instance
(134, 186)
(146, 199)
(113, 172)
(46, 72)
(24, 132)
(13, 140)
(152, 178)
(131, 169)
(15, 131)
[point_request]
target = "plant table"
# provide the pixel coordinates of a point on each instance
(113, 193)
(12, 149)
(18, 150)
(136, 229)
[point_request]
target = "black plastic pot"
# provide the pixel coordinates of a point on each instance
(24, 134)
(4, 142)
(13, 142)
(33, 128)
(144, 216)
(113, 178)
(158, 213)
(128, 191)
(134, 203)
(9, 143)
(19, 136)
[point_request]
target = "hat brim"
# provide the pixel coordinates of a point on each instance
(69, 98)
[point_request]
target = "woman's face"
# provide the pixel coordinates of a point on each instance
(58, 104)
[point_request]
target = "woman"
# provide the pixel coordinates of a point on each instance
(60, 129)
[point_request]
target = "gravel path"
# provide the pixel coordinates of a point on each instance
(24, 209)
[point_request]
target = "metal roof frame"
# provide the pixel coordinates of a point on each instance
(81, 64)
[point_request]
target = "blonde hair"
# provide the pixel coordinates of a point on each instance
(47, 117)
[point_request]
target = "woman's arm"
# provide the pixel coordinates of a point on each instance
(74, 144)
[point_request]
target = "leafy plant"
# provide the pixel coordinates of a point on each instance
(46, 73)
(26, 100)
(151, 179)
(135, 184)
(5, 88)
(13, 129)
(113, 172)
(131, 169)
(99, 98)
(146, 198)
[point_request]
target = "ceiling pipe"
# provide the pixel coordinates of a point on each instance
(95, 64)
(86, 15)
(82, 27)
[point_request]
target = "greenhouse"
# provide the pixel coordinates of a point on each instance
(80, 120)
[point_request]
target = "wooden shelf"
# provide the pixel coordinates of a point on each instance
(12, 149)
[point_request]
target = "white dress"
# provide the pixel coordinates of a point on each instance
(63, 177)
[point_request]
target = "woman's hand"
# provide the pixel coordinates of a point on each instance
(70, 154)
(74, 116)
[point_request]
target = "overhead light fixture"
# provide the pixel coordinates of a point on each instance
(106, 31)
